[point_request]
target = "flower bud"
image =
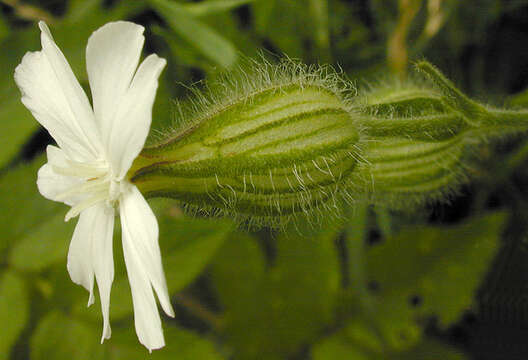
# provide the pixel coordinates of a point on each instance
(415, 147)
(410, 111)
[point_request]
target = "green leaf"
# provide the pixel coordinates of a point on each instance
(437, 268)
(211, 7)
(59, 337)
(17, 122)
(355, 341)
(31, 216)
(337, 348)
(206, 40)
(519, 99)
(14, 310)
(284, 307)
(430, 349)
(278, 20)
(180, 344)
(44, 246)
(4, 28)
(187, 246)
(239, 258)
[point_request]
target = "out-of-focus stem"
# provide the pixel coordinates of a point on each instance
(397, 56)
(28, 12)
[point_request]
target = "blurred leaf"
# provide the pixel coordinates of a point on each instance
(45, 245)
(355, 341)
(205, 39)
(17, 122)
(59, 337)
(29, 212)
(95, 11)
(187, 246)
(519, 100)
(430, 349)
(278, 19)
(430, 271)
(239, 258)
(180, 344)
(337, 348)
(14, 310)
(285, 307)
(4, 29)
(210, 7)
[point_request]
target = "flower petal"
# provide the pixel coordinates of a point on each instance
(134, 115)
(52, 184)
(112, 57)
(80, 253)
(53, 95)
(91, 253)
(144, 268)
(103, 260)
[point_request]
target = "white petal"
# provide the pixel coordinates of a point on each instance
(143, 262)
(91, 253)
(51, 184)
(103, 260)
(112, 56)
(80, 253)
(132, 120)
(53, 95)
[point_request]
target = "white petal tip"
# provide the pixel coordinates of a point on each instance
(73, 212)
(107, 334)
(90, 300)
(43, 26)
(45, 29)
(155, 347)
(170, 312)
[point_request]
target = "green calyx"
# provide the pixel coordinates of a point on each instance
(279, 151)
(293, 142)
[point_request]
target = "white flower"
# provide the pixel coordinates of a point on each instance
(96, 148)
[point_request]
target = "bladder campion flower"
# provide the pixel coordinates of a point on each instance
(96, 148)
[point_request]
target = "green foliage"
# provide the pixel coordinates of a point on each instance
(14, 309)
(29, 215)
(181, 344)
(59, 337)
(18, 122)
(208, 42)
(440, 269)
(290, 301)
(418, 274)
(43, 246)
(378, 284)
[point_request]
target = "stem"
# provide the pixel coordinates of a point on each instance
(355, 243)
(515, 118)
(356, 235)
(198, 310)
(29, 12)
